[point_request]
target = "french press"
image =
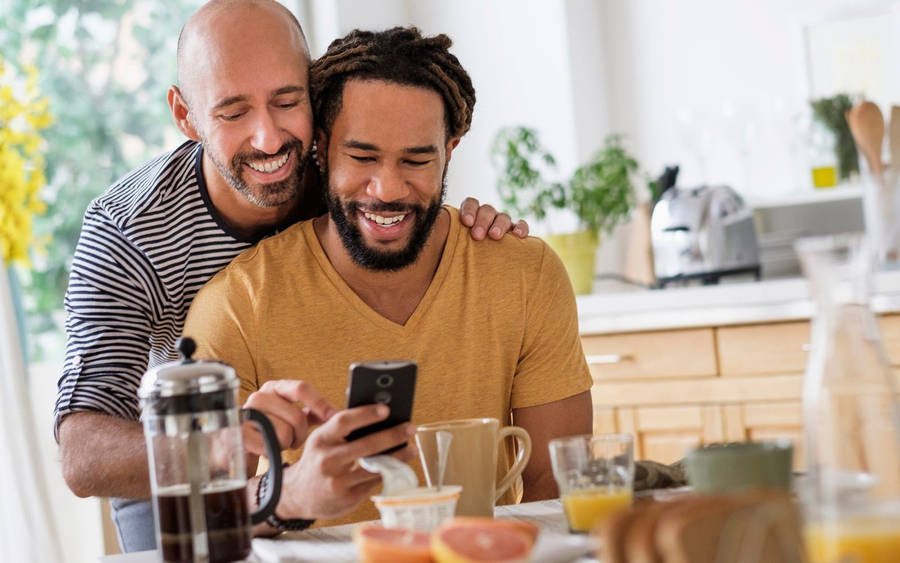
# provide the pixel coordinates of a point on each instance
(198, 476)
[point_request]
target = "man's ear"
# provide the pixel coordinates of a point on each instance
(451, 144)
(180, 111)
(321, 148)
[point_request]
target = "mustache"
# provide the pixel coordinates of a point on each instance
(293, 144)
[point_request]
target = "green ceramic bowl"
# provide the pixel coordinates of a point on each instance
(739, 466)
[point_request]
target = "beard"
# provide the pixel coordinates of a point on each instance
(263, 195)
(345, 213)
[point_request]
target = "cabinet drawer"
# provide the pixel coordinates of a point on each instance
(762, 349)
(645, 355)
(890, 335)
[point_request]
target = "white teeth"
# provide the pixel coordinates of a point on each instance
(270, 165)
(384, 220)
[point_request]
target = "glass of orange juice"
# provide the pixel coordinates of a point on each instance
(595, 476)
(860, 539)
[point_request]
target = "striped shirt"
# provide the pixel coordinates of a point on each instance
(147, 245)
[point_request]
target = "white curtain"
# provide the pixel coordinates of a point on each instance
(27, 529)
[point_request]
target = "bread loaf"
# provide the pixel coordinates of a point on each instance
(755, 527)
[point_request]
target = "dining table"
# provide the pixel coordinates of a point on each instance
(555, 543)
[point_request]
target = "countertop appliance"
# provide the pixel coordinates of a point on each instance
(701, 233)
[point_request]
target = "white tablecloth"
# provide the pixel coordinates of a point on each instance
(555, 543)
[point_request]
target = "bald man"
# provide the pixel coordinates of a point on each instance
(151, 240)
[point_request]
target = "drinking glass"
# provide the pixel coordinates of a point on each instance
(594, 475)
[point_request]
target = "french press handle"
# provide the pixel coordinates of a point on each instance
(268, 503)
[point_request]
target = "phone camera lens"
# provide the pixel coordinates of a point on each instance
(383, 397)
(384, 380)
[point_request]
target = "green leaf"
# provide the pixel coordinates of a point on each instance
(600, 192)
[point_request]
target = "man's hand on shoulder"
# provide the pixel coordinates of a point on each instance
(484, 219)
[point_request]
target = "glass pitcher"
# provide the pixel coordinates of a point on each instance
(851, 416)
(192, 426)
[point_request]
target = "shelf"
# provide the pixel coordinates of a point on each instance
(841, 192)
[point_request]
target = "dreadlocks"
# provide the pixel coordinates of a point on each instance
(398, 55)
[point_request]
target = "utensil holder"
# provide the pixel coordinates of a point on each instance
(881, 210)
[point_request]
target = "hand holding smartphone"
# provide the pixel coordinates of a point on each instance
(390, 383)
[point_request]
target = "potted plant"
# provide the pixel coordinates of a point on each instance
(599, 193)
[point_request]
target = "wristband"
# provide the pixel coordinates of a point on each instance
(291, 524)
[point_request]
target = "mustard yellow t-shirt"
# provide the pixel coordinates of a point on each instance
(496, 330)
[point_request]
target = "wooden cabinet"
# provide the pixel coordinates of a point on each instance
(890, 335)
(651, 355)
(677, 389)
(759, 349)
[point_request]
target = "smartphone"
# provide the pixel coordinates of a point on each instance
(390, 383)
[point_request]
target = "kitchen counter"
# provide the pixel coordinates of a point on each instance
(681, 367)
(716, 305)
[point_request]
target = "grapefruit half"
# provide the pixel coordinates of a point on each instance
(474, 542)
(377, 544)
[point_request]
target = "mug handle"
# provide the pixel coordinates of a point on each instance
(268, 503)
(522, 458)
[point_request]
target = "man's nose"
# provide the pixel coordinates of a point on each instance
(387, 185)
(266, 134)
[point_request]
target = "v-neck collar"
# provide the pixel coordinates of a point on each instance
(361, 306)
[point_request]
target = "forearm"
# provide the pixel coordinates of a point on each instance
(538, 485)
(566, 417)
(288, 507)
(103, 456)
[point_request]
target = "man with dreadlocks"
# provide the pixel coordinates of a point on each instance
(389, 273)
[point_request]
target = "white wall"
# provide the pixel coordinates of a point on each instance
(718, 87)
(517, 53)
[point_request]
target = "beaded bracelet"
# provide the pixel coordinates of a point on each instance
(292, 524)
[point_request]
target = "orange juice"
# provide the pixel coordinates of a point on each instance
(587, 508)
(860, 540)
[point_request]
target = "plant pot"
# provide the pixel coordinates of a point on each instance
(577, 251)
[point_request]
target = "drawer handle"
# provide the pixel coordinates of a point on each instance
(607, 359)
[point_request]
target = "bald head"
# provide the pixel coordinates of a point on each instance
(220, 25)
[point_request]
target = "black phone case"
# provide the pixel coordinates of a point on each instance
(390, 383)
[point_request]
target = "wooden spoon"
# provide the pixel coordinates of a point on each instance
(894, 138)
(867, 126)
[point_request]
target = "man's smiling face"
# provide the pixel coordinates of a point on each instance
(386, 162)
(249, 104)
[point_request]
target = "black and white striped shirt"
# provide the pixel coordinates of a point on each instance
(148, 244)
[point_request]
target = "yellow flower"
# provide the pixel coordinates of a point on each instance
(22, 117)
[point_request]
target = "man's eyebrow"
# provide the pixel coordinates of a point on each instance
(425, 149)
(293, 89)
(363, 146)
(229, 101)
(360, 145)
(279, 92)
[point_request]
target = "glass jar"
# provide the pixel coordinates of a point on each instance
(822, 156)
(198, 476)
(851, 417)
